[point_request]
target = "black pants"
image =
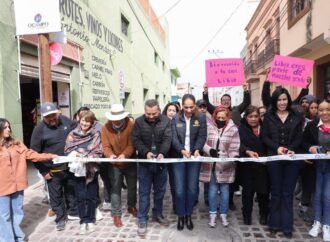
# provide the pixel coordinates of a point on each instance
(307, 174)
(87, 198)
(61, 194)
(105, 176)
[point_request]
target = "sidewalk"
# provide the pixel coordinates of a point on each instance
(39, 227)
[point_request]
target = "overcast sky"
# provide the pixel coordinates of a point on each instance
(192, 24)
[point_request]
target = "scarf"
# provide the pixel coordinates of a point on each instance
(324, 129)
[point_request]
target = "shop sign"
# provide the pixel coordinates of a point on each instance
(37, 16)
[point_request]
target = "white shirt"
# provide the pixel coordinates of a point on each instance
(187, 137)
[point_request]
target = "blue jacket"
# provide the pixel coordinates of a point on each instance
(198, 133)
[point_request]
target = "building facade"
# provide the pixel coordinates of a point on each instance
(116, 51)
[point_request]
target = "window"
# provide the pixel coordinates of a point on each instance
(157, 97)
(163, 66)
(124, 25)
(296, 10)
(145, 94)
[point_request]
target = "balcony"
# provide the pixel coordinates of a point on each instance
(250, 68)
(266, 55)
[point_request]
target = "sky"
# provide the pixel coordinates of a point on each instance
(192, 33)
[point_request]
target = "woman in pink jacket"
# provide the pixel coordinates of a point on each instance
(13, 181)
(222, 141)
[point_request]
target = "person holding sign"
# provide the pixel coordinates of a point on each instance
(317, 140)
(281, 133)
(189, 136)
(235, 111)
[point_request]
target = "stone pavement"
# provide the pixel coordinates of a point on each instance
(39, 227)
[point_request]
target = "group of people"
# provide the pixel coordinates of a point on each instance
(197, 128)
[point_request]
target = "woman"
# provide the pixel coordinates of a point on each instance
(317, 140)
(170, 110)
(188, 139)
(282, 134)
(222, 141)
(85, 141)
(254, 176)
(13, 181)
(117, 144)
(312, 110)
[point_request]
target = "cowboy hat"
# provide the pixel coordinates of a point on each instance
(116, 113)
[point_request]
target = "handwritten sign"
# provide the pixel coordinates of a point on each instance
(290, 70)
(224, 72)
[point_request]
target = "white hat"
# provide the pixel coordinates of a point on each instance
(116, 113)
(48, 108)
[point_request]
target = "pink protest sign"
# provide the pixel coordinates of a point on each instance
(224, 72)
(56, 53)
(290, 70)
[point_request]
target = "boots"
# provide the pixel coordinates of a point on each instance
(213, 218)
(326, 233)
(180, 225)
(189, 223)
(224, 220)
(316, 229)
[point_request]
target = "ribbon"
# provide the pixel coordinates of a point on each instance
(296, 157)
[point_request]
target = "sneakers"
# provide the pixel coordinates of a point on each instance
(224, 220)
(91, 227)
(98, 215)
(71, 217)
(83, 229)
(142, 229)
(326, 233)
(238, 193)
(213, 222)
(106, 206)
(60, 225)
(315, 230)
(161, 220)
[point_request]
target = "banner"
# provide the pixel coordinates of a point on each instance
(224, 72)
(37, 16)
(290, 70)
(67, 159)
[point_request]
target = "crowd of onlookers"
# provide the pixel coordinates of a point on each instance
(183, 131)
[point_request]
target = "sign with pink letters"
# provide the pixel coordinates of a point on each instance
(224, 72)
(290, 70)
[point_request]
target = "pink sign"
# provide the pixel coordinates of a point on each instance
(56, 53)
(290, 70)
(224, 72)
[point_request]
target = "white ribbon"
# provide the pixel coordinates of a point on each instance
(66, 159)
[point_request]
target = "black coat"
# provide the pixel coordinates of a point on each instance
(236, 111)
(252, 170)
(198, 134)
(143, 131)
(270, 131)
(266, 96)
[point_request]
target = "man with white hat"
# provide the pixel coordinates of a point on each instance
(117, 144)
(49, 136)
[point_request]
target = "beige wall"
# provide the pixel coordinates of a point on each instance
(295, 37)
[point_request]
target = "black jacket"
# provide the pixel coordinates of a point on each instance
(198, 133)
(249, 141)
(46, 139)
(144, 131)
(270, 131)
(236, 111)
(266, 96)
(311, 135)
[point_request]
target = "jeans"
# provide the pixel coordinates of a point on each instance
(61, 190)
(186, 181)
(117, 175)
(171, 181)
(214, 187)
(105, 176)
(322, 192)
(283, 178)
(11, 216)
(206, 191)
(307, 174)
(87, 198)
(147, 178)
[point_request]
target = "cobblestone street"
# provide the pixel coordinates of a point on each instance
(39, 227)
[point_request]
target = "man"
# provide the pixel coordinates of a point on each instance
(49, 136)
(201, 106)
(117, 144)
(152, 139)
(236, 111)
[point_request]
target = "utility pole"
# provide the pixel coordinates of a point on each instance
(46, 94)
